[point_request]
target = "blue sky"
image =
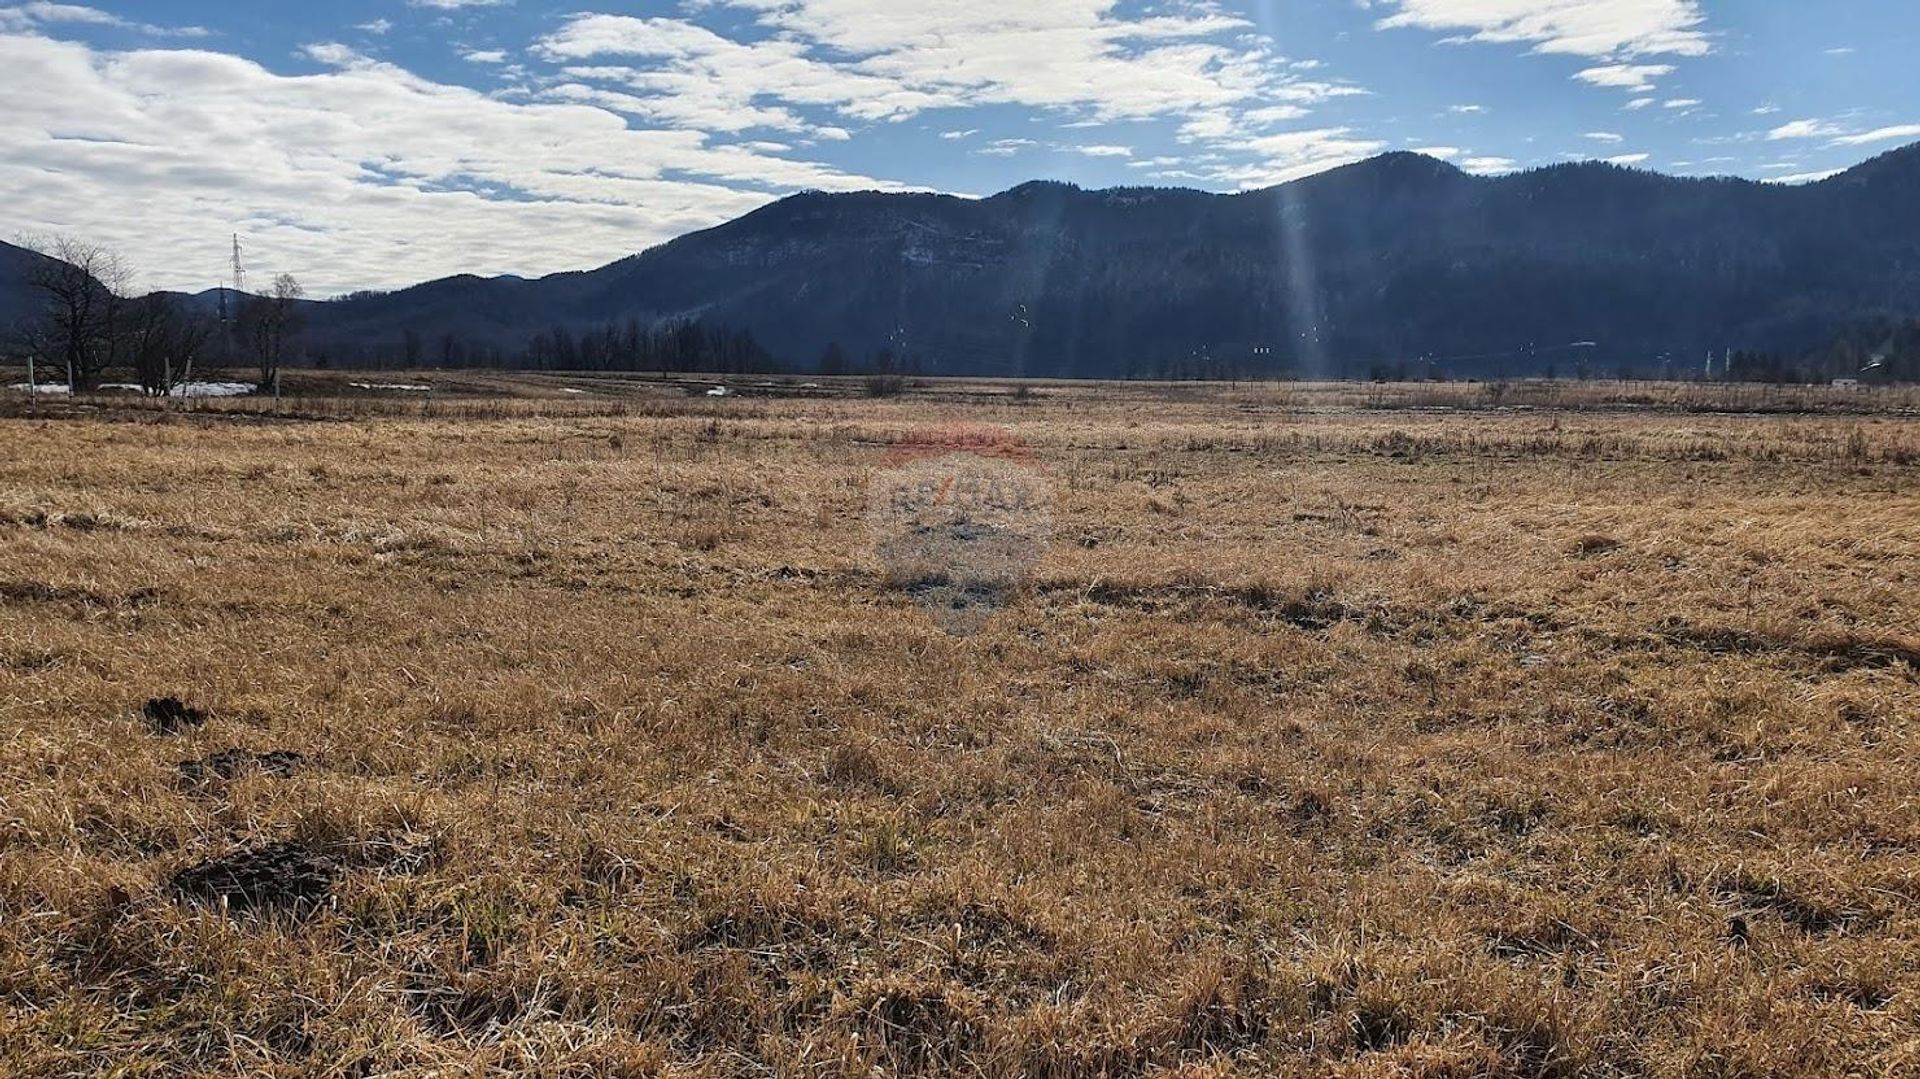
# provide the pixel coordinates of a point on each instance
(377, 143)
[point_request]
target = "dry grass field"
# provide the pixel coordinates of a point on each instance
(1340, 731)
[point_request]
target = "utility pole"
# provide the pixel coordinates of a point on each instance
(230, 318)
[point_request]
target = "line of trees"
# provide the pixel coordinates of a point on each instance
(682, 345)
(1883, 350)
(1880, 350)
(90, 323)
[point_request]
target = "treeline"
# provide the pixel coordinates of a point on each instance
(1881, 350)
(88, 325)
(681, 346)
(1884, 350)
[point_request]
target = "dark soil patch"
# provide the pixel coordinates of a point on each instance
(1838, 652)
(917, 1030)
(399, 854)
(32, 661)
(168, 715)
(466, 1005)
(229, 763)
(1591, 545)
(39, 592)
(1867, 998)
(273, 876)
(757, 928)
(1312, 611)
(1809, 913)
(1231, 1012)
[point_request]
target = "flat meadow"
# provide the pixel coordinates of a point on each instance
(575, 727)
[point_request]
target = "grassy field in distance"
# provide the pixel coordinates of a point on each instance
(1344, 730)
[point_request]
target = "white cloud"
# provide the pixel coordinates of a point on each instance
(1838, 135)
(162, 152)
(1273, 114)
(1442, 152)
(1591, 28)
(687, 75)
(1466, 110)
(485, 56)
(1636, 77)
(1806, 129)
(1265, 160)
(1628, 159)
(1805, 177)
(1489, 166)
(1899, 133)
(1613, 32)
(1103, 151)
(965, 133)
(1682, 103)
(23, 17)
(1006, 147)
(1605, 136)
(377, 26)
(876, 61)
(1639, 103)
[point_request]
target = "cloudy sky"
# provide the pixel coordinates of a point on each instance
(375, 143)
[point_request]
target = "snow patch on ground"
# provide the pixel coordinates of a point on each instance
(210, 389)
(186, 389)
(402, 387)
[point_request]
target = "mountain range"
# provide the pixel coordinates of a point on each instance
(17, 298)
(1399, 260)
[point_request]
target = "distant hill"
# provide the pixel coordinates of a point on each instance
(1385, 262)
(17, 300)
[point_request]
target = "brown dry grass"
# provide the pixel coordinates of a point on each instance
(1323, 742)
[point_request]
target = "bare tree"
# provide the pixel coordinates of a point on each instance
(270, 323)
(166, 341)
(82, 286)
(149, 321)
